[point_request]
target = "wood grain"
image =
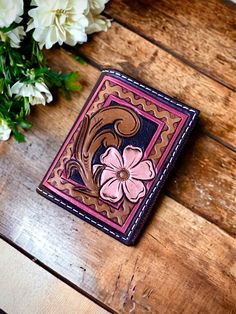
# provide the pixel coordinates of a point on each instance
(27, 288)
(180, 256)
(122, 49)
(185, 262)
(205, 179)
(202, 34)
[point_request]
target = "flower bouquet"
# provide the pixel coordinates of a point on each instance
(25, 77)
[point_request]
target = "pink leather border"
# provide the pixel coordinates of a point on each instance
(161, 124)
(134, 210)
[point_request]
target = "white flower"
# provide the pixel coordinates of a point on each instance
(5, 131)
(38, 93)
(14, 36)
(58, 21)
(97, 6)
(97, 22)
(10, 11)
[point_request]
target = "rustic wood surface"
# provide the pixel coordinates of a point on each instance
(200, 33)
(28, 288)
(185, 261)
(142, 59)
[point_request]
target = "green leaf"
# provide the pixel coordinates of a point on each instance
(18, 136)
(37, 55)
(80, 59)
(22, 113)
(2, 83)
(25, 124)
(72, 83)
(26, 105)
(28, 64)
(9, 28)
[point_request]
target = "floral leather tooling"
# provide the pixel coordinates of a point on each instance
(118, 154)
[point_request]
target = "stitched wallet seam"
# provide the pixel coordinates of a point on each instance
(133, 230)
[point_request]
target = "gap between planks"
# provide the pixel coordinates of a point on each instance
(54, 273)
(109, 55)
(170, 51)
(199, 261)
(98, 66)
(220, 141)
(226, 227)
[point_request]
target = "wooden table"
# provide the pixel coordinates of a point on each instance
(185, 261)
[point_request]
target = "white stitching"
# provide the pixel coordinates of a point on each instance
(149, 89)
(158, 182)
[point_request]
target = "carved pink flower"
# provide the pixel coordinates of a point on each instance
(123, 175)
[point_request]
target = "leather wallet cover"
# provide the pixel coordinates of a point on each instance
(117, 156)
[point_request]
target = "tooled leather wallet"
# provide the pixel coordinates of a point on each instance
(118, 154)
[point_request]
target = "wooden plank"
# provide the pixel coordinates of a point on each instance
(122, 49)
(27, 288)
(201, 34)
(180, 256)
(205, 179)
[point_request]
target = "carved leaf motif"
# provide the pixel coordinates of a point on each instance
(104, 128)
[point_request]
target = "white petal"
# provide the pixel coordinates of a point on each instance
(97, 24)
(58, 21)
(15, 36)
(97, 6)
(5, 131)
(10, 11)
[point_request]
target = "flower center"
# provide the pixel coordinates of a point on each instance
(59, 12)
(60, 16)
(123, 174)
